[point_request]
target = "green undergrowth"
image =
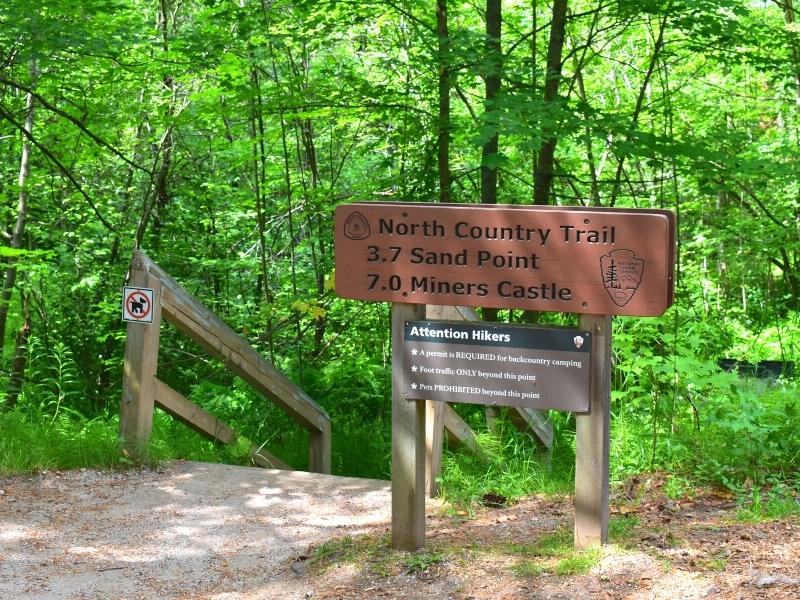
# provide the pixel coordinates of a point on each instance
(777, 502)
(64, 442)
(34, 441)
(69, 441)
(509, 465)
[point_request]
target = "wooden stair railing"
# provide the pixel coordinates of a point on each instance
(142, 390)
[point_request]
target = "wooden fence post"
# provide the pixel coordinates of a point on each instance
(408, 443)
(319, 449)
(141, 363)
(592, 440)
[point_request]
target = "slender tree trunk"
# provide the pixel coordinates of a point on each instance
(10, 276)
(543, 178)
(493, 78)
(127, 197)
(443, 146)
(20, 361)
(534, 83)
(257, 133)
(493, 65)
(162, 194)
(309, 160)
(789, 18)
(587, 142)
(654, 58)
(157, 196)
(306, 150)
(578, 63)
(290, 214)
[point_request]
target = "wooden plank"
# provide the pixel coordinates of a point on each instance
(205, 423)
(140, 365)
(266, 460)
(434, 434)
(193, 319)
(592, 440)
(434, 417)
(408, 444)
(458, 432)
(535, 420)
(190, 414)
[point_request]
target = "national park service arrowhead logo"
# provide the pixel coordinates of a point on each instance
(356, 227)
(622, 274)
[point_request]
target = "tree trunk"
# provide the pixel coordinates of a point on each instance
(162, 193)
(789, 18)
(443, 145)
(534, 83)
(493, 67)
(157, 197)
(20, 361)
(654, 58)
(543, 178)
(493, 77)
(10, 276)
(257, 132)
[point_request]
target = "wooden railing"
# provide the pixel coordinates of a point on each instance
(142, 390)
(440, 417)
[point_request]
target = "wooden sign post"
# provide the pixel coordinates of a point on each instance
(408, 443)
(592, 440)
(596, 262)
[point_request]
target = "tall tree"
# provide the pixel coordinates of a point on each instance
(443, 125)
(543, 177)
(16, 238)
(493, 77)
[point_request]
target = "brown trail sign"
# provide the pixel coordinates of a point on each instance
(597, 262)
(580, 260)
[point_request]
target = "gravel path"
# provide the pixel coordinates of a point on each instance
(187, 530)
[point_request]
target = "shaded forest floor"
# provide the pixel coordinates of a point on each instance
(660, 548)
(194, 531)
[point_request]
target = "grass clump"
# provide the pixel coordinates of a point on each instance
(336, 550)
(553, 553)
(376, 554)
(777, 503)
(421, 562)
(622, 529)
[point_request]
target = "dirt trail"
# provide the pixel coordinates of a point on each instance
(215, 532)
(189, 530)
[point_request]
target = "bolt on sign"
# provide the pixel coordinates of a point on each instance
(533, 367)
(580, 260)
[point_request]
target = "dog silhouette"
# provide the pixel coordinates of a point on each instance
(137, 306)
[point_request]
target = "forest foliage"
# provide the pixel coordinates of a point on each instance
(219, 135)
